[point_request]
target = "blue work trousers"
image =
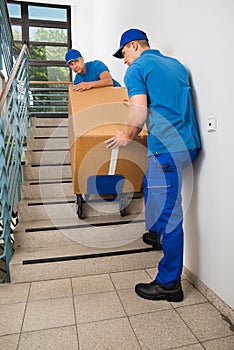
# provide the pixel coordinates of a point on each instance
(163, 209)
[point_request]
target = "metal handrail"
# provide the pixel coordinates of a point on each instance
(49, 82)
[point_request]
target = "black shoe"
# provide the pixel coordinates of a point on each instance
(155, 291)
(152, 238)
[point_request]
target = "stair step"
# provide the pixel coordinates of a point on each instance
(49, 208)
(79, 260)
(46, 142)
(48, 131)
(65, 208)
(45, 121)
(44, 172)
(46, 188)
(58, 156)
(111, 231)
(45, 225)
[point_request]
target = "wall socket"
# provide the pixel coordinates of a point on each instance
(211, 124)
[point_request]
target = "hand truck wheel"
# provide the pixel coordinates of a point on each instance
(122, 205)
(79, 205)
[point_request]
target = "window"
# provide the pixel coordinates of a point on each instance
(49, 14)
(14, 10)
(47, 31)
(17, 33)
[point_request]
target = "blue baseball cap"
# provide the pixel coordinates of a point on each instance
(127, 37)
(72, 55)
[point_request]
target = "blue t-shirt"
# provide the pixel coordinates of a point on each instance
(171, 121)
(93, 71)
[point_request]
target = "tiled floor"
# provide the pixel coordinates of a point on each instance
(103, 312)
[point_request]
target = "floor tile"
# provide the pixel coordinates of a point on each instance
(98, 306)
(191, 295)
(62, 338)
(161, 330)
(13, 293)
(91, 284)
(11, 318)
(44, 314)
(134, 305)
(9, 342)
(191, 347)
(115, 334)
(125, 280)
(50, 289)
(220, 344)
(205, 321)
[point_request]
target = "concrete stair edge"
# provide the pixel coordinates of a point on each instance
(35, 266)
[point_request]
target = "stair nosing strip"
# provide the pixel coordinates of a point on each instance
(98, 224)
(85, 256)
(46, 165)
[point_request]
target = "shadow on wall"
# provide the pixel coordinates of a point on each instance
(191, 206)
(191, 222)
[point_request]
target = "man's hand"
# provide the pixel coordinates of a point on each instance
(119, 140)
(83, 86)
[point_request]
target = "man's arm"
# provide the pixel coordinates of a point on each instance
(136, 119)
(105, 80)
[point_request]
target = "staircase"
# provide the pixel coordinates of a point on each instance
(50, 240)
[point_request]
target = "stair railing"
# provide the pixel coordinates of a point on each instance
(13, 133)
(48, 98)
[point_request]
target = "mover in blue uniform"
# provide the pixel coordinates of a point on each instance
(90, 74)
(160, 96)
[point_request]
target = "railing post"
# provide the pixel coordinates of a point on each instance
(6, 220)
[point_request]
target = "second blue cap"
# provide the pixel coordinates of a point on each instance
(72, 55)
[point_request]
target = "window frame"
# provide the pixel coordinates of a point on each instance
(26, 23)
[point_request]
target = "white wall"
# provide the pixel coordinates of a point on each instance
(200, 34)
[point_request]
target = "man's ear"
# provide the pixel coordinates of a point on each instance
(135, 45)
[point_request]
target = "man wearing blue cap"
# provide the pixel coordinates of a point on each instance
(160, 96)
(89, 75)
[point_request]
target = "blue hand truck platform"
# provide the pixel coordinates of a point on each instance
(108, 187)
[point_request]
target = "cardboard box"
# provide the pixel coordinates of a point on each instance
(94, 116)
(85, 99)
